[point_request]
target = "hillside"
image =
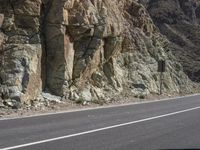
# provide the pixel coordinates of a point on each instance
(179, 21)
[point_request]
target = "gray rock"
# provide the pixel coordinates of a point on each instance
(12, 104)
(51, 98)
(86, 95)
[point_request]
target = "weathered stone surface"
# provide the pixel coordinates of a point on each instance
(20, 57)
(88, 49)
(20, 70)
(1, 19)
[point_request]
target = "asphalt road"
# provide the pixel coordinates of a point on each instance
(162, 125)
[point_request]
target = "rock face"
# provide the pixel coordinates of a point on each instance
(83, 49)
(20, 49)
(179, 20)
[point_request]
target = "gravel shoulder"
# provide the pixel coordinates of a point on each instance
(66, 105)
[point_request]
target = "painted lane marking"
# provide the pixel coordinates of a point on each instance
(100, 129)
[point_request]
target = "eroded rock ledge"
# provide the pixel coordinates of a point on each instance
(82, 49)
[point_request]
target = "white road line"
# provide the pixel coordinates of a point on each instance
(101, 107)
(100, 129)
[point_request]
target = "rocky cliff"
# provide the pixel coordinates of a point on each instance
(91, 49)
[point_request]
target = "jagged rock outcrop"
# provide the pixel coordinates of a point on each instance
(82, 49)
(179, 20)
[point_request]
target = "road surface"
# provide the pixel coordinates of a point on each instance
(161, 125)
